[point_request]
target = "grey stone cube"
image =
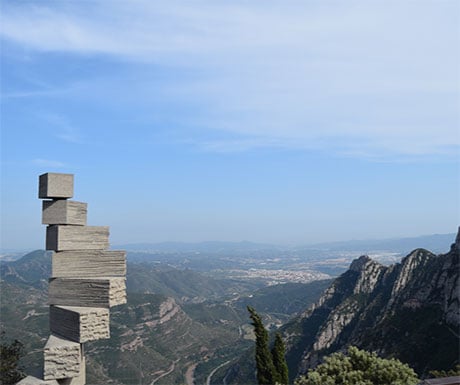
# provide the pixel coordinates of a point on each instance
(88, 263)
(55, 186)
(30, 380)
(87, 292)
(62, 358)
(64, 212)
(80, 379)
(80, 324)
(62, 237)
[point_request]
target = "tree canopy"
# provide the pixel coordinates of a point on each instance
(10, 353)
(359, 367)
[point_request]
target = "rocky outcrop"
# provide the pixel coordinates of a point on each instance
(395, 310)
(369, 272)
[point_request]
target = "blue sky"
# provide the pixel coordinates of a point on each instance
(276, 121)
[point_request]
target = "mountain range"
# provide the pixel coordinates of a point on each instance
(408, 310)
(178, 323)
(434, 242)
(183, 325)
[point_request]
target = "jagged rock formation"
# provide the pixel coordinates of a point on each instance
(83, 285)
(408, 310)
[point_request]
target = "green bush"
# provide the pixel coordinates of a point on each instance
(10, 353)
(359, 367)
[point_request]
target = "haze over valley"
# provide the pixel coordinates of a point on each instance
(186, 317)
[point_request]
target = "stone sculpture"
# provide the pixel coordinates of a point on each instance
(87, 280)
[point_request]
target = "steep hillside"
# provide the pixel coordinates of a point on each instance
(153, 339)
(409, 311)
(200, 324)
(32, 269)
(185, 285)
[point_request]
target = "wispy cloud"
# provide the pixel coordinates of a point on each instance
(353, 77)
(62, 128)
(49, 163)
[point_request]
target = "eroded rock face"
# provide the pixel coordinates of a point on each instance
(407, 277)
(363, 305)
(370, 273)
(448, 283)
(335, 324)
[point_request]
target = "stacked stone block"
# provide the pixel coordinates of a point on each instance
(87, 279)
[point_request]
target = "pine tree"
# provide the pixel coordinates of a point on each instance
(265, 368)
(279, 361)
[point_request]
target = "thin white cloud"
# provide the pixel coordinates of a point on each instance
(356, 77)
(49, 163)
(62, 128)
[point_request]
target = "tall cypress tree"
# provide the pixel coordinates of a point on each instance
(279, 361)
(265, 368)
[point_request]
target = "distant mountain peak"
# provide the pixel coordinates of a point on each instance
(407, 310)
(360, 263)
(457, 240)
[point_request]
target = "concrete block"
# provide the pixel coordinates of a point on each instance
(87, 292)
(30, 380)
(80, 324)
(79, 380)
(89, 263)
(62, 237)
(55, 186)
(64, 212)
(62, 358)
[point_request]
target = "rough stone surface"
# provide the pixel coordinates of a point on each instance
(80, 379)
(457, 239)
(80, 324)
(55, 185)
(62, 237)
(64, 212)
(359, 306)
(410, 266)
(90, 292)
(30, 380)
(62, 359)
(89, 263)
(370, 273)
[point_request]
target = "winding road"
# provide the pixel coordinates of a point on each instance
(208, 380)
(170, 370)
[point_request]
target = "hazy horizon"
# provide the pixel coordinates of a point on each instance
(281, 245)
(277, 122)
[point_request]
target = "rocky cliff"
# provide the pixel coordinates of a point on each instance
(409, 310)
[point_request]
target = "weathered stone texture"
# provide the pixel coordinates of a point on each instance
(62, 237)
(89, 263)
(79, 380)
(62, 359)
(80, 324)
(64, 212)
(30, 380)
(90, 292)
(55, 185)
